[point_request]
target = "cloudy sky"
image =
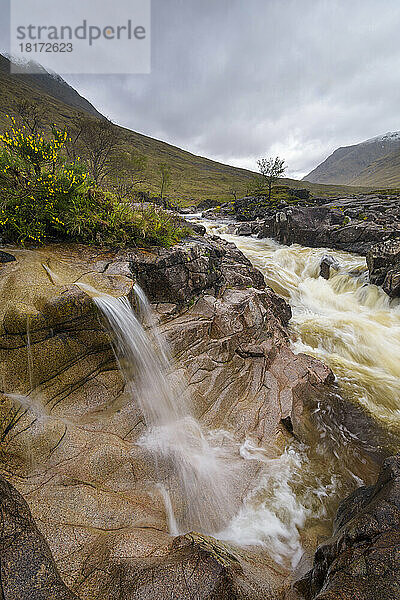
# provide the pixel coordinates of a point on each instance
(235, 80)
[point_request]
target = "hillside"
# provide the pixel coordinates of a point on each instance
(384, 172)
(372, 162)
(28, 84)
(193, 178)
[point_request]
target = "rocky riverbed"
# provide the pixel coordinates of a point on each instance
(97, 525)
(365, 225)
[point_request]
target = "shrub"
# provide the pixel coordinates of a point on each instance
(43, 197)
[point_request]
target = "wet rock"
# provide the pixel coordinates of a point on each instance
(327, 263)
(353, 224)
(197, 228)
(383, 262)
(248, 228)
(180, 274)
(244, 229)
(195, 566)
(362, 559)
(6, 257)
(28, 570)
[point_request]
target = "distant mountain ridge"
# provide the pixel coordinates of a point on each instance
(372, 162)
(50, 83)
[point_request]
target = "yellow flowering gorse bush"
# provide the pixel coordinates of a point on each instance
(43, 197)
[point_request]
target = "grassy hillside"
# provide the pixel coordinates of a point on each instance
(370, 163)
(384, 172)
(193, 178)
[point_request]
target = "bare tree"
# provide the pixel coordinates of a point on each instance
(128, 171)
(96, 140)
(165, 173)
(233, 192)
(271, 170)
(30, 116)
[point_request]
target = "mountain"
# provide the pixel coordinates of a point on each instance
(193, 178)
(372, 162)
(48, 83)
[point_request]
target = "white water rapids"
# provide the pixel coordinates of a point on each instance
(350, 325)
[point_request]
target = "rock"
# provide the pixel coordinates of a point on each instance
(6, 257)
(353, 224)
(327, 262)
(179, 274)
(197, 228)
(362, 558)
(244, 229)
(194, 566)
(248, 228)
(250, 208)
(28, 570)
(72, 443)
(383, 262)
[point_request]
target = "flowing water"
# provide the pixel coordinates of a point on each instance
(194, 480)
(350, 325)
(355, 329)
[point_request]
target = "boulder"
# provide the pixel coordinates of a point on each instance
(180, 274)
(353, 225)
(28, 570)
(6, 257)
(194, 566)
(383, 262)
(248, 228)
(327, 263)
(361, 560)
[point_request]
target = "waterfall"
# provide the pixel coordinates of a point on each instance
(194, 479)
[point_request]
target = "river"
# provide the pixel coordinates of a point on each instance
(354, 328)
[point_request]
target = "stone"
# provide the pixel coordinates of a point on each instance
(28, 570)
(352, 224)
(194, 566)
(6, 257)
(362, 558)
(383, 262)
(327, 263)
(178, 275)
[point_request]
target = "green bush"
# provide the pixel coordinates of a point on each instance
(43, 197)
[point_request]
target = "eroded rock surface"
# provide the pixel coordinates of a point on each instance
(70, 428)
(28, 570)
(362, 559)
(331, 226)
(383, 262)
(179, 274)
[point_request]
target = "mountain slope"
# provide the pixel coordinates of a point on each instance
(50, 84)
(193, 178)
(352, 165)
(384, 172)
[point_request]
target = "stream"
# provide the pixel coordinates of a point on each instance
(354, 328)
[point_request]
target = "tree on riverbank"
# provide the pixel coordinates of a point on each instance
(271, 169)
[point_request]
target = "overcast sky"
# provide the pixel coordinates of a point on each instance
(235, 80)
